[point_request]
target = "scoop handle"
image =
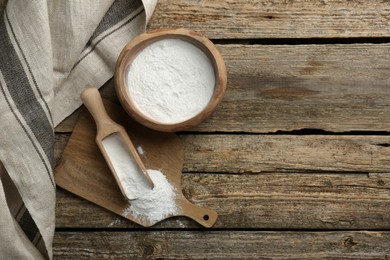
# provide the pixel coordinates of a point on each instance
(94, 103)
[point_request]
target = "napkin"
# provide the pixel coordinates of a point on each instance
(50, 51)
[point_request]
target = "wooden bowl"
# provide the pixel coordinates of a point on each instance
(131, 50)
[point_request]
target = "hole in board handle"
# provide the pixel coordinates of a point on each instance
(206, 217)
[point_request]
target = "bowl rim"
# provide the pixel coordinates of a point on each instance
(131, 50)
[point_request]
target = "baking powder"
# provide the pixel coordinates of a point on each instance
(155, 204)
(171, 81)
(126, 168)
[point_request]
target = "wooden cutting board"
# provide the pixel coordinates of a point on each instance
(83, 171)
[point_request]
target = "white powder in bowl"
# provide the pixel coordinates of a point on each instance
(171, 81)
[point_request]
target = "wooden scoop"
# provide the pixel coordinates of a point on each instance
(117, 149)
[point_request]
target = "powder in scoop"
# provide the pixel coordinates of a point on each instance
(171, 81)
(126, 168)
(154, 204)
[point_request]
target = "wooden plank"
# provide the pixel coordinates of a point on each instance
(330, 87)
(290, 87)
(222, 245)
(269, 153)
(226, 153)
(60, 142)
(248, 19)
(267, 201)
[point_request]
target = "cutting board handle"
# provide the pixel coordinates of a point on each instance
(93, 101)
(205, 217)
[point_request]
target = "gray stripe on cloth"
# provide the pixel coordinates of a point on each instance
(24, 98)
(27, 133)
(93, 46)
(40, 245)
(29, 227)
(17, 208)
(28, 67)
(118, 11)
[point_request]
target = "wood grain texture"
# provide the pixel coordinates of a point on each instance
(248, 19)
(303, 153)
(60, 142)
(288, 87)
(222, 245)
(332, 186)
(224, 153)
(266, 201)
(336, 88)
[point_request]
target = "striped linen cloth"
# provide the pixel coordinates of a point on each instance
(50, 51)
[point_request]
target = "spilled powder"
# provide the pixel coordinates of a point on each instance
(115, 222)
(154, 204)
(140, 150)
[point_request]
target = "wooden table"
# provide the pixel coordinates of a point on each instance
(296, 159)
